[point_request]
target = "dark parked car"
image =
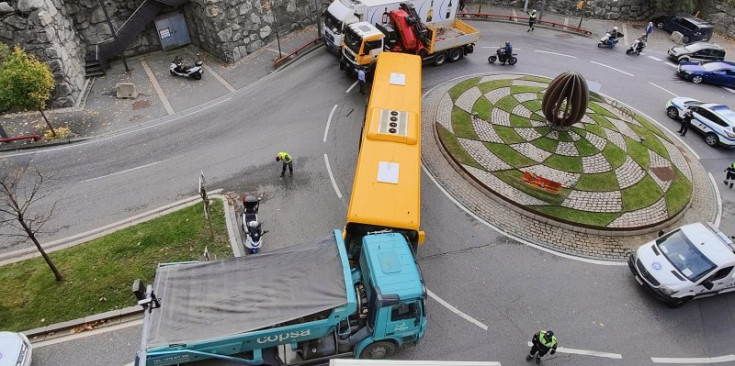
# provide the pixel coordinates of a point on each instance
(720, 73)
(693, 29)
(697, 51)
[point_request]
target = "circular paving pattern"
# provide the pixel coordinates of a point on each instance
(616, 169)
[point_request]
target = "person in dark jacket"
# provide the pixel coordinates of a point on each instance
(686, 121)
(543, 342)
(531, 19)
(730, 176)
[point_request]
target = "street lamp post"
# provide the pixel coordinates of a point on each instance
(114, 35)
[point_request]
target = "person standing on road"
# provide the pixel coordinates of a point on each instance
(361, 80)
(730, 176)
(685, 122)
(543, 342)
(287, 161)
(531, 20)
(649, 28)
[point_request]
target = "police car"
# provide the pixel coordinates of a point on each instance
(15, 349)
(715, 121)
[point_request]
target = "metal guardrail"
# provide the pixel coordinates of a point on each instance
(281, 60)
(33, 138)
(512, 18)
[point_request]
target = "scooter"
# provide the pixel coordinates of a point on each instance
(500, 55)
(251, 226)
(195, 72)
(609, 40)
(638, 45)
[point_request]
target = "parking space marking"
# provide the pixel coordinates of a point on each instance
(331, 177)
(653, 58)
(612, 68)
(220, 79)
(660, 87)
(689, 361)
(616, 356)
(671, 64)
(456, 311)
(351, 86)
(157, 87)
(728, 89)
(121, 172)
(554, 53)
(329, 121)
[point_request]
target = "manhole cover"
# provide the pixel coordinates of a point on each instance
(665, 173)
(140, 104)
(564, 35)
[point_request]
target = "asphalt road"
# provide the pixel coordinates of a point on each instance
(511, 289)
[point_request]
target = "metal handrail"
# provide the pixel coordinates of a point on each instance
(279, 61)
(514, 18)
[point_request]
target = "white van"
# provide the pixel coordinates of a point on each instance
(693, 261)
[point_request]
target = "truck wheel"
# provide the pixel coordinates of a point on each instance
(677, 303)
(469, 49)
(440, 58)
(378, 350)
(455, 55)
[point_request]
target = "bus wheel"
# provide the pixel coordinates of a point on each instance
(440, 58)
(455, 54)
(378, 350)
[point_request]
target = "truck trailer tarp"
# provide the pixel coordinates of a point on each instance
(209, 300)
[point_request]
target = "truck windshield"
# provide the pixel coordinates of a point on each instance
(330, 22)
(684, 255)
(352, 40)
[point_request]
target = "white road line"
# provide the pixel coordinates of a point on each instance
(97, 331)
(689, 361)
(212, 105)
(654, 58)
(329, 121)
(612, 68)
(122, 172)
(670, 64)
(456, 311)
(616, 356)
(663, 89)
(157, 87)
(220, 79)
(728, 89)
(514, 237)
(331, 177)
(718, 217)
(554, 53)
(351, 86)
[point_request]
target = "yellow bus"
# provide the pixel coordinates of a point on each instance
(386, 193)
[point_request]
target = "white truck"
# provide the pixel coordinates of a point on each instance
(342, 13)
(693, 261)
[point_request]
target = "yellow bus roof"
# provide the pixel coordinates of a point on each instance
(387, 187)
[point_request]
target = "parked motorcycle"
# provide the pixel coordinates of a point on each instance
(251, 226)
(501, 56)
(178, 69)
(610, 39)
(638, 45)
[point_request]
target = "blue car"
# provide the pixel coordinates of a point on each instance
(720, 73)
(715, 121)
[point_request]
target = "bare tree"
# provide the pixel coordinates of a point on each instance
(16, 199)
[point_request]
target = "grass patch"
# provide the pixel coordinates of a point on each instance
(564, 136)
(585, 148)
(603, 122)
(105, 268)
(614, 155)
(517, 121)
(601, 110)
(452, 145)
(518, 89)
(492, 85)
(652, 140)
(582, 217)
(483, 107)
(570, 164)
(595, 129)
(649, 126)
(532, 105)
(679, 193)
(546, 143)
(640, 195)
(509, 135)
(543, 131)
(514, 178)
(536, 79)
(462, 87)
(601, 182)
(596, 98)
(638, 152)
(507, 103)
(536, 117)
(462, 124)
(509, 155)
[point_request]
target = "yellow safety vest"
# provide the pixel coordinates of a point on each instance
(541, 338)
(285, 157)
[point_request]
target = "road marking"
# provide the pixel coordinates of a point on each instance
(157, 87)
(351, 86)
(727, 358)
(663, 89)
(220, 79)
(97, 331)
(616, 356)
(653, 58)
(718, 216)
(122, 172)
(212, 105)
(329, 121)
(671, 64)
(331, 177)
(554, 53)
(512, 236)
(612, 68)
(728, 89)
(456, 311)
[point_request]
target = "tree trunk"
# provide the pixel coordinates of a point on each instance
(48, 123)
(2, 132)
(32, 235)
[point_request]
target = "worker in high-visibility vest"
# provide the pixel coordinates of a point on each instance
(287, 161)
(543, 342)
(730, 177)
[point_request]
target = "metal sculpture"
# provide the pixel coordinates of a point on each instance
(565, 101)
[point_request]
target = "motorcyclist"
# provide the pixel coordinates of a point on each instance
(614, 34)
(505, 52)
